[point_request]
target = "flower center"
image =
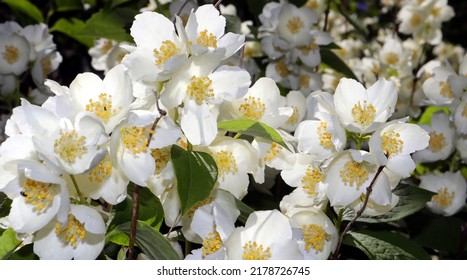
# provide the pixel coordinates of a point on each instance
(161, 157)
(436, 11)
(443, 198)
(167, 50)
(312, 4)
(437, 141)
(39, 194)
(392, 58)
(46, 66)
(211, 243)
(200, 89)
(11, 54)
(72, 233)
(314, 237)
(70, 146)
(102, 107)
(207, 39)
(446, 90)
(226, 163)
(272, 152)
(135, 138)
(354, 173)
(363, 115)
(252, 108)
(311, 47)
(392, 143)
(281, 69)
(415, 20)
(255, 251)
(101, 172)
(311, 179)
(324, 136)
(464, 111)
(293, 119)
(304, 80)
(294, 25)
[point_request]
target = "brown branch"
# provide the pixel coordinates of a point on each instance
(326, 15)
(218, 3)
(134, 218)
(369, 189)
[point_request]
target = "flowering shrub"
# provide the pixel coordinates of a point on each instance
(312, 130)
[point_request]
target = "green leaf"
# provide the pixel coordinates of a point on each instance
(245, 210)
(332, 60)
(353, 20)
(440, 233)
(118, 238)
(5, 204)
(24, 253)
(68, 5)
(196, 174)
(233, 24)
(150, 209)
(8, 243)
(428, 113)
(252, 128)
(73, 28)
(151, 242)
(25, 7)
(110, 24)
(411, 200)
(383, 245)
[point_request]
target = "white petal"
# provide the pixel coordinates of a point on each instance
(198, 123)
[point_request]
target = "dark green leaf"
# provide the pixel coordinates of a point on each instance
(332, 46)
(354, 20)
(150, 209)
(196, 174)
(5, 203)
(24, 253)
(233, 24)
(441, 233)
(73, 28)
(68, 5)
(8, 243)
(411, 200)
(332, 60)
(151, 242)
(111, 24)
(252, 128)
(245, 210)
(25, 7)
(385, 245)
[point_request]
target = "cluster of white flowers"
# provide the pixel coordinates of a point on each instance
(22, 49)
(91, 139)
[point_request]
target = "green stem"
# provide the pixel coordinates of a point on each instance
(237, 135)
(339, 219)
(75, 184)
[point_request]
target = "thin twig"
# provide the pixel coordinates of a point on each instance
(326, 15)
(369, 189)
(218, 3)
(134, 218)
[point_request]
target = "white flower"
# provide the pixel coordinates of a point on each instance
(361, 110)
(40, 196)
(442, 139)
(296, 101)
(350, 173)
(14, 54)
(205, 32)
(267, 235)
(309, 52)
(159, 51)
(80, 237)
(443, 86)
(315, 233)
(397, 140)
(109, 99)
(294, 24)
(46, 62)
(263, 103)
(451, 190)
(106, 54)
(65, 146)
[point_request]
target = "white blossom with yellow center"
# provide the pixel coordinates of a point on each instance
(294, 24)
(397, 140)
(80, 237)
(350, 173)
(443, 86)
(364, 110)
(14, 54)
(108, 99)
(267, 235)
(441, 139)
(450, 189)
(39, 197)
(314, 231)
(204, 31)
